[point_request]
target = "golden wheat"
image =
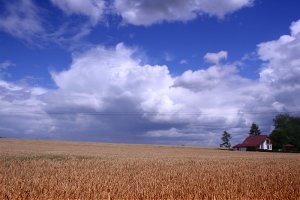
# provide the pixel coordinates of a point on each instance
(69, 170)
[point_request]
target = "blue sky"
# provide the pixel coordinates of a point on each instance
(171, 72)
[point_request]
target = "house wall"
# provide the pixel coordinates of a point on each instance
(240, 149)
(266, 146)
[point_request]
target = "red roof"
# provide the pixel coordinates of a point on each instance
(239, 145)
(253, 141)
(288, 145)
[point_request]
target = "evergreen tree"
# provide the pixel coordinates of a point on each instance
(254, 130)
(226, 139)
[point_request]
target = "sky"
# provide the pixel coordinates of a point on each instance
(174, 72)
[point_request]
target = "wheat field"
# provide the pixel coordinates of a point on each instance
(32, 169)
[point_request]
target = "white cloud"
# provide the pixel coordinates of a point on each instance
(109, 95)
(151, 101)
(147, 12)
(21, 19)
(281, 70)
(295, 28)
(207, 79)
(112, 72)
(220, 8)
(91, 8)
(215, 58)
(282, 61)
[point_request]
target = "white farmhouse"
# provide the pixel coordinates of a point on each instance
(255, 142)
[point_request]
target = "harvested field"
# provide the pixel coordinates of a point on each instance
(32, 169)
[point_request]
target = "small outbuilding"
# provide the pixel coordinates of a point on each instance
(254, 143)
(288, 147)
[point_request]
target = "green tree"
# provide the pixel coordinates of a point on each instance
(254, 130)
(286, 131)
(225, 139)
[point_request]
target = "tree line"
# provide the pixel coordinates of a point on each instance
(286, 132)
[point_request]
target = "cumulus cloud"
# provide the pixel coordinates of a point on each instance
(281, 70)
(91, 8)
(220, 8)
(107, 94)
(119, 97)
(120, 91)
(143, 12)
(295, 28)
(144, 103)
(207, 79)
(282, 67)
(215, 58)
(112, 72)
(21, 19)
